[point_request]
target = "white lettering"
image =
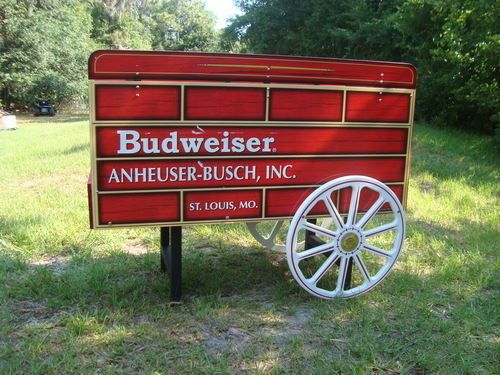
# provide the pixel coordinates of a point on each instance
(131, 142)
(125, 141)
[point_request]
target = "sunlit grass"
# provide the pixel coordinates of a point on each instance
(74, 300)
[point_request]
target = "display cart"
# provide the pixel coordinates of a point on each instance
(320, 146)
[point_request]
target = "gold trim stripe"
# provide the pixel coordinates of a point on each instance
(267, 67)
(230, 157)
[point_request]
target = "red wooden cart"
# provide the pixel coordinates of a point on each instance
(183, 138)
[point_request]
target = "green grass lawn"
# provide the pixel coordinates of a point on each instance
(74, 300)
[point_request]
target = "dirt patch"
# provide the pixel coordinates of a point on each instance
(30, 313)
(57, 264)
(300, 317)
(234, 339)
(135, 247)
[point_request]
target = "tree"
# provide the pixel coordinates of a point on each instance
(456, 48)
(455, 45)
(182, 25)
(44, 45)
(42, 39)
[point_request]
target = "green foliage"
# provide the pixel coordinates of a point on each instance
(454, 44)
(42, 41)
(54, 87)
(182, 25)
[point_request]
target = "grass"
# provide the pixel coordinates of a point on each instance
(74, 300)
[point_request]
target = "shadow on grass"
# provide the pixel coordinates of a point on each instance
(76, 149)
(59, 118)
(118, 304)
(463, 156)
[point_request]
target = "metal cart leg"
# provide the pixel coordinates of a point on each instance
(171, 259)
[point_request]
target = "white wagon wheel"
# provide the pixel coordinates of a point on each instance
(269, 236)
(347, 241)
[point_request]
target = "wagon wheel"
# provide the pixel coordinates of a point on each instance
(371, 237)
(269, 236)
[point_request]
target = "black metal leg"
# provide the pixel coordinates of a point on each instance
(171, 259)
(164, 243)
(311, 239)
(348, 276)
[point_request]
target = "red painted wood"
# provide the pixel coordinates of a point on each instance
(239, 67)
(313, 141)
(377, 107)
(215, 174)
(138, 208)
(367, 198)
(137, 102)
(89, 198)
(222, 205)
(225, 103)
(285, 202)
(305, 105)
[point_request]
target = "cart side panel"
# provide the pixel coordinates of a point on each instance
(181, 138)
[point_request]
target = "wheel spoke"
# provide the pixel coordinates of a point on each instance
(381, 229)
(315, 251)
(376, 250)
(353, 207)
(323, 269)
(361, 266)
(371, 212)
(334, 213)
(275, 230)
(317, 229)
(342, 275)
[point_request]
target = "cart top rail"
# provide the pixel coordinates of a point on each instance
(159, 65)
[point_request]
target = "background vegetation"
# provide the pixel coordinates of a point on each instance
(455, 45)
(45, 44)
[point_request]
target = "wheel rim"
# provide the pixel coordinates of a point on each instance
(354, 239)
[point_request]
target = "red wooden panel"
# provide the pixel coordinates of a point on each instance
(240, 67)
(377, 107)
(285, 202)
(285, 141)
(138, 208)
(225, 103)
(130, 102)
(305, 105)
(162, 174)
(367, 198)
(225, 205)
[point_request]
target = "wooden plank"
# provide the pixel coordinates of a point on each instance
(138, 208)
(225, 103)
(222, 205)
(169, 141)
(190, 174)
(126, 102)
(305, 105)
(377, 107)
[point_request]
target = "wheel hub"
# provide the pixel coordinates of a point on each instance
(349, 241)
